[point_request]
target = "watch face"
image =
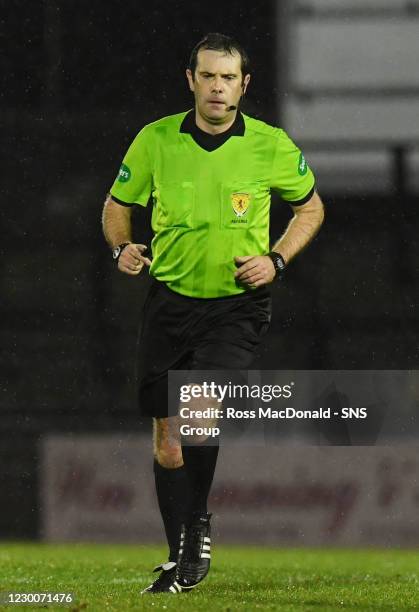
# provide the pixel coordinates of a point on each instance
(279, 263)
(116, 252)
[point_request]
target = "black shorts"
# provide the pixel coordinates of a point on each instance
(184, 333)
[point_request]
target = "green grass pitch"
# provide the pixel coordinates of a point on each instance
(106, 577)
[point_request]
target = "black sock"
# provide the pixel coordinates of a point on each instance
(199, 462)
(173, 490)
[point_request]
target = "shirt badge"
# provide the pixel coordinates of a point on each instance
(302, 165)
(124, 174)
(240, 203)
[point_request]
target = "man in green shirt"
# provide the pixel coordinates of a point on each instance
(209, 173)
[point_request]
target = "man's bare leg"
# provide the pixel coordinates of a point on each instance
(172, 483)
(200, 452)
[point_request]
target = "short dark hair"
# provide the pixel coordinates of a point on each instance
(219, 42)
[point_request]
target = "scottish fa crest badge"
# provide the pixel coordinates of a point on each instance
(240, 203)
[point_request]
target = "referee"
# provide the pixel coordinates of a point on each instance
(209, 172)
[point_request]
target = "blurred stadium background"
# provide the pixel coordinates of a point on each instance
(78, 81)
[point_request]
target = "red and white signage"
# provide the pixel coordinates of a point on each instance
(101, 488)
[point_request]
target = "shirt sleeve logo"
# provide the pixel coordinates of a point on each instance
(124, 174)
(240, 203)
(302, 165)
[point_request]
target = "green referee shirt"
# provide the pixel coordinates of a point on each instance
(209, 205)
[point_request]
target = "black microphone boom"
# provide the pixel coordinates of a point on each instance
(231, 108)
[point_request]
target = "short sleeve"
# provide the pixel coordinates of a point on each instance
(133, 184)
(291, 175)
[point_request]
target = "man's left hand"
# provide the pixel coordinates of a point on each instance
(254, 270)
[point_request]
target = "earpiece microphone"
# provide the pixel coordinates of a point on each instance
(231, 108)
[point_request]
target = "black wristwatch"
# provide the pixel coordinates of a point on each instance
(116, 251)
(278, 262)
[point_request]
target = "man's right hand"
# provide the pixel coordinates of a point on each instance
(131, 260)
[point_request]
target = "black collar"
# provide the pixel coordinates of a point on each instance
(207, 141)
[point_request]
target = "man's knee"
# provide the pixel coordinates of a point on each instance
(169, 457)
(167, 446)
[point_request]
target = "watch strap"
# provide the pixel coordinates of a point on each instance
(278, 262)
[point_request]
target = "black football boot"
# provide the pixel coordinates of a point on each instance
(194, 552)
(166, 582)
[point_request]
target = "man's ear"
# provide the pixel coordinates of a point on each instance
(190, 79)
(245, 83)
